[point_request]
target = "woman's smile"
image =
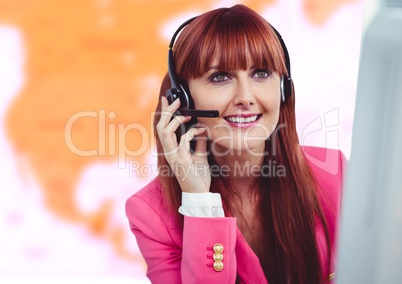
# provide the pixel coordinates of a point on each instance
(243, 120)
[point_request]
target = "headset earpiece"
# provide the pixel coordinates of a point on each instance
(187, 99)
(171, 95)
(181, 92)
(286, 81)
(283, 96)
(286, 87)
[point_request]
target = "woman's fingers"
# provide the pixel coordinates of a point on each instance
(167, 111)
(184, 147)
(176, 122)
(167, 127)
(177, 154)
(201, 145)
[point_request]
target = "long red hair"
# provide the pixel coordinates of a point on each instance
(288, 207)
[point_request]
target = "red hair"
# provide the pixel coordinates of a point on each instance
(288, 207)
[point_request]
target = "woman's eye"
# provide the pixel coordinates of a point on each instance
(261, 73)
(219, 77)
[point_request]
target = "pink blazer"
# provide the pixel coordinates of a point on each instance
(176, 257)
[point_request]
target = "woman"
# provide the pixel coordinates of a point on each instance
(235, 200)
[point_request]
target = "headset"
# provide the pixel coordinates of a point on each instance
(180, 89)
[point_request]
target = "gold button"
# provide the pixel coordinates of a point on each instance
(218, 266)
(218, 256)
(218, 248)
(331, 276)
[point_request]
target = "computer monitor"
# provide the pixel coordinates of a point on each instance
(370, 239)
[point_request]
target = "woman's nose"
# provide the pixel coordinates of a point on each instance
(243, 95)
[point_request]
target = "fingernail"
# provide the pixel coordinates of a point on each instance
(177, 100)
(202, 129)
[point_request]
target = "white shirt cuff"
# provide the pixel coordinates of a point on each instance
(206, 204)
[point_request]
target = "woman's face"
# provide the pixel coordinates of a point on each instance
(248, 102)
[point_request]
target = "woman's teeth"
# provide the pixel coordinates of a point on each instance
(237, 119)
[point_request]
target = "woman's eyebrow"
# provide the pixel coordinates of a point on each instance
(213, 67)
(216, 67)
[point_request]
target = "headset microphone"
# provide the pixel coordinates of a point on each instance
(197, 113)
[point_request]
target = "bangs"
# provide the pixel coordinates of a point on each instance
(228, 39)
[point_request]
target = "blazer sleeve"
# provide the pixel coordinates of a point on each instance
(192, 261)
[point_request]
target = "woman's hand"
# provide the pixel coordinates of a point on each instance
(191, 170)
